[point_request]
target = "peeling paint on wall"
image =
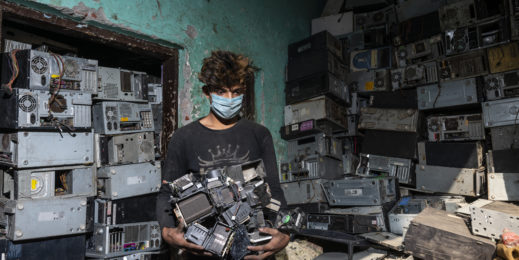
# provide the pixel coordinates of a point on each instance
(261, 30)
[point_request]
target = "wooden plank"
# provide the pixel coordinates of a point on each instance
(436, 234)
(386, 239)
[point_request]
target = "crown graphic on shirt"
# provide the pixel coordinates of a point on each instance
(224, 153)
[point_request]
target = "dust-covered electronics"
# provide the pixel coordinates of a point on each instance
(347, 223)
(469, 181)
(316, 108)
(122, 85)
(471, 64)
(457, 14)
(421, 51)
(73, 247)
(118, 240)
(40, 109)
(502, 85)
(303, 192)
(416, 29)
(378, 58)
(122, 181)
(32, 69)
(365, 39)
(389, 143)
(43, 183)
(448, 94)
(455, 127)
(321, 144)
(317, 85)
(19, 150)
(376, 165)
(321, 41)
(122, 210)
(10, 45)
(112, 117)
(405, 120)
(501, 112)
(125, 148)
(315, 62)
(311, 167)
(354, 191)
(514, 18)
(414, 75)
(31, 219)
(363, 21)
(503, 57)
(505, 137)
(468, 154)
(369, 81)
(503, 216)
(403, 212)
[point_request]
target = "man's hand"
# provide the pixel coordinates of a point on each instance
(279, 241)
(175, 238)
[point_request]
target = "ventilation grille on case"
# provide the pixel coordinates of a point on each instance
(27, 103)
(39, 65)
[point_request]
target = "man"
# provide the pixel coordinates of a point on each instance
(220, 139)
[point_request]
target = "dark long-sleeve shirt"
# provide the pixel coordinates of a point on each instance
(195, 146)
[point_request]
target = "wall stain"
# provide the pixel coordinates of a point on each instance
(185, 101)
(191, 31)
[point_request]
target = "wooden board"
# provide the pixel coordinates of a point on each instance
(436, 234)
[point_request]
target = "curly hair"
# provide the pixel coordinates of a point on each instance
(224, 69)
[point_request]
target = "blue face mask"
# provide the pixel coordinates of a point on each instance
(226, 108)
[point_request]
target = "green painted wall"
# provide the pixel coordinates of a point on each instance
(260, 29)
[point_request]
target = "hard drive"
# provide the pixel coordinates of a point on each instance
(501, 112)
(455, 127)
(403, 120)
(46, 149)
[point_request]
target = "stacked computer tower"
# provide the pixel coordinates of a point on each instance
(434, 111)
(317, 99)
(47, 155)
(79, 161)
(123, 219)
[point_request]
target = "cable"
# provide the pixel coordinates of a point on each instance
(15, 70)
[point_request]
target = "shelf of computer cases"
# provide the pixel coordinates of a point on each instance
(430, 98)
(78, 157)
